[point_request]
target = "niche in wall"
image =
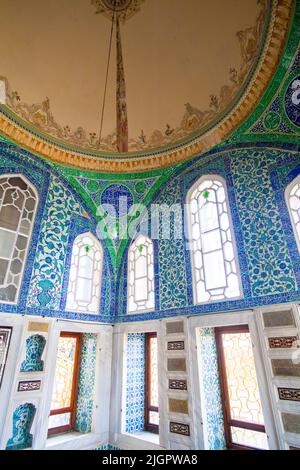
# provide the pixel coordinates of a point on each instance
(73, 391)
(141, 383)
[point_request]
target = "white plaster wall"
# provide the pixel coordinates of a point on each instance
(109, 406)
(280, 406)
(191, 326)
(11, 398)
(118, 436)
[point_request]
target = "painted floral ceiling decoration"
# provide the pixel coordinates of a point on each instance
(185, 65)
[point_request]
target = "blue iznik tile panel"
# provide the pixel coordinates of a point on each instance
(267, 251)
(135, 382)
(269, 264)
(256, 176)
(171, 254)
(211, 391)
(47, 276)
(86, 383)
(60, 217)
(107, 447)
(122, 289)
(282, 116)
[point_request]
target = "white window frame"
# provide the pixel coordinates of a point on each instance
(287, 195)
(29, 237)
(131, 266)
(69, 290)
(197, 183)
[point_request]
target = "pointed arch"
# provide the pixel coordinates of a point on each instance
(292, 197)
(18, 204)
(214, 260)
(140, 277)
(85, 278)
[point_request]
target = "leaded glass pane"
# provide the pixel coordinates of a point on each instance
(214, 272)
(244, 414)
(141, 290)
(8, 293)
(18, 182)
(154, 417)
(140, 278)
(65, 363)
(244, 399)
(85, 268)
(25, 227)
(84, 288)
(213, 258)
(249, 438)
(7, 242)
(141, 266)
(9, 217)
(17, 209)
(3, 270)
(55, 421)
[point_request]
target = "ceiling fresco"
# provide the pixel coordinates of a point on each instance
(181, 76)
(185, 62)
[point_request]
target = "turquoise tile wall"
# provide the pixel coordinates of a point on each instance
(135, 382)
(86, 383)
(211, 391)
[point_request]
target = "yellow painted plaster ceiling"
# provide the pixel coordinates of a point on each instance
(186, 62)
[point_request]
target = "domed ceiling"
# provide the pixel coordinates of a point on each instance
(174, 70)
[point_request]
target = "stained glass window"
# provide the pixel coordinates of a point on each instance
(249, 438)
(140, 276)
(65, 383)
(85, 275)
(215, 270)
(293, 200)
(65, 361)
(18, 202)
(5, 335)
(244, 414)
(152, 413)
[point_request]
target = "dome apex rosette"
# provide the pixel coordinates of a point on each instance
(124, 9)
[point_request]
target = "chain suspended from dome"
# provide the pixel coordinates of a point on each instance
(116, 11)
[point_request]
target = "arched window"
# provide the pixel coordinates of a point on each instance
(18, 202)
(140, 279)
(214, 263)
(293, 202)
(84, 288)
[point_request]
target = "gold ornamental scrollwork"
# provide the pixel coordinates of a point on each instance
(126, 163)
